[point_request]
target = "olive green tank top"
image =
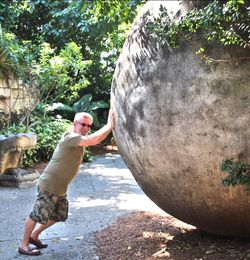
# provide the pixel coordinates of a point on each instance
(63, 166)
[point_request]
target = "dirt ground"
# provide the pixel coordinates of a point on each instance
(149, 236)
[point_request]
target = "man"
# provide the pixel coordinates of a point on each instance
(51, 205)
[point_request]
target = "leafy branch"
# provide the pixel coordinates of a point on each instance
(238, 173)
(224, 23)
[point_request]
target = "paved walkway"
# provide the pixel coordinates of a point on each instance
(102, 191)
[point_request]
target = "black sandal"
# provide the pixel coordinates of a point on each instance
(37, 243)
(29, 251)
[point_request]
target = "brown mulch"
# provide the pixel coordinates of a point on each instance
(101, 149)
(144, 235)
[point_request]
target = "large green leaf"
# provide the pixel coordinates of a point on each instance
(83, 103)
(60, 106)
(98, 104)
(95, 119)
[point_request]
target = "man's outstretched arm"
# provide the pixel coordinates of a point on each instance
(101, 134)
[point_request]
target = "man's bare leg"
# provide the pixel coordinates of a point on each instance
(35, 234)
(28, 228)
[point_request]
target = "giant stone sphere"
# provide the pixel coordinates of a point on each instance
(177, 118)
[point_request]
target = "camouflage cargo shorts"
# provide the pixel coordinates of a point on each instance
(49, 206)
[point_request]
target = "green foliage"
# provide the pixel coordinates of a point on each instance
(48, 130)
(99, 27)
(61, 76)
(88, 157)
(6, 65)
(59, 22)
(15, 56)
(66, 49)
(13, 129)
(85, 104)
(224, 22)
(238, 173)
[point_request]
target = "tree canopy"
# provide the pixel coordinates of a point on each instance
(97, 27)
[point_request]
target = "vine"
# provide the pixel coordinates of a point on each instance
(226, 22)
(238, 173)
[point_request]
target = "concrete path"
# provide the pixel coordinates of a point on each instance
(102, 191)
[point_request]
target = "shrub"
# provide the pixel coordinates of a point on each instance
(48, 130)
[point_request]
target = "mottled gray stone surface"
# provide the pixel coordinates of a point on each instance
(177, 118)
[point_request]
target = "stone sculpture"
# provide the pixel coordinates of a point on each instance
(11, 150)
(177, 118)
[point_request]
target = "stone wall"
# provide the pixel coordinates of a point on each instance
(15, 98)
